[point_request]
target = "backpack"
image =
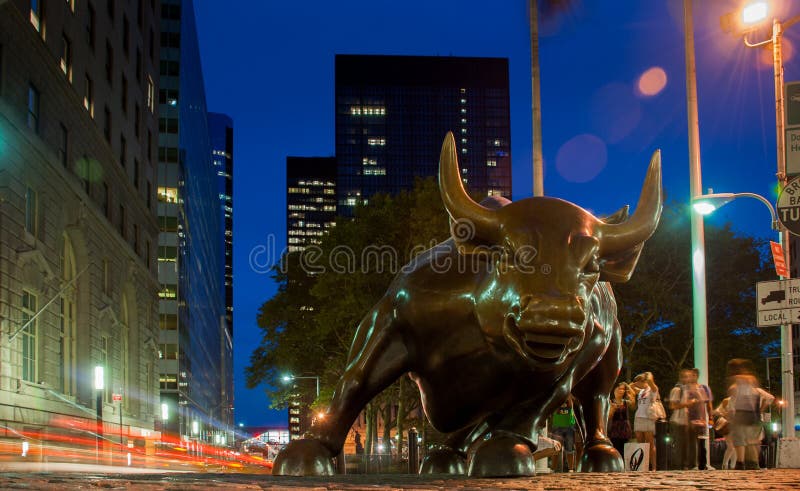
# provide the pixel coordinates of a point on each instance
(748, 414)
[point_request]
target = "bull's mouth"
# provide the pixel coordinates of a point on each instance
(547, 342)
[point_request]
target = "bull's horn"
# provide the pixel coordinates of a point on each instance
(641, 225)
(457, 202)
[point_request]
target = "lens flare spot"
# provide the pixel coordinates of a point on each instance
(652, 81)
(615, 112)
(581, 158)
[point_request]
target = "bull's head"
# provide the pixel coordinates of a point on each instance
(538, 293)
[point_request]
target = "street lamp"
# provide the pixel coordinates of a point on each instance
(99, 384)
(753, 14)
(705, 204)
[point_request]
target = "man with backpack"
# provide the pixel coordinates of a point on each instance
(691, 407)
(747, 402)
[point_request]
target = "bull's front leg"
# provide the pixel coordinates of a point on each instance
(514, 436)
(377, 358)
(592, 392)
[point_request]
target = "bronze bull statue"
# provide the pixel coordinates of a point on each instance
(497, 326)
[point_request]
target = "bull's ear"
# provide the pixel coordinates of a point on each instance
(619, 267)
(618, 216)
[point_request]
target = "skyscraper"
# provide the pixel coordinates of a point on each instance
(310, 200)
(78, 226)
(392, 113)
(191, 250)
(221, 131)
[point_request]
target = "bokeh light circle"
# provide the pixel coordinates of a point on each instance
(581, 158)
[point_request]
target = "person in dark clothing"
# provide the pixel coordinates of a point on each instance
(623, 400)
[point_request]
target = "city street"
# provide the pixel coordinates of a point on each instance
(739, 480)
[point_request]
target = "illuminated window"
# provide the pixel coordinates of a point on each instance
(463, 110)
(151, 94)
(168, 291)
(167, 253)
(168, 195)
(66, 57)
(463, 120)
(88, 96)
(28, 336)
(376, 142)
(36, 15)
(491, 163)
(168, 381)
(464, 150)
(463, 131)
(377, 171)
(168, 322)
(463, 101)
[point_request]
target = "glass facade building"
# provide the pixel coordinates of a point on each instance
(221, 132)
(191, 249)
(392, 113)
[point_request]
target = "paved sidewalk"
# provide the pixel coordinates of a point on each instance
(681, 480)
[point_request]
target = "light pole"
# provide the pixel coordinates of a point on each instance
(707, 203)
(99, 384)
(699, 315)
(753, 14)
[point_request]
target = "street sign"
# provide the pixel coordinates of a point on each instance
(116, 397)
(789, 206)
(778, 302)
(791, 103)
(779, 259)
(792, 152)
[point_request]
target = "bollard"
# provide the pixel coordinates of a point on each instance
(413, 452)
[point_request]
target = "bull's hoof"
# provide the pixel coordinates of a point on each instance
(306, 457)
(503, 455)
(444, 460)
(601, 456)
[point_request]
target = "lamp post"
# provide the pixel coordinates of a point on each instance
(99, 384)
(699, 315)
(707, 203)
(754, 14)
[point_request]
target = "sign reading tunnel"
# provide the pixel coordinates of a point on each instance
(789, 206)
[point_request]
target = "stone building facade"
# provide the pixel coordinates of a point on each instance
(78, 224)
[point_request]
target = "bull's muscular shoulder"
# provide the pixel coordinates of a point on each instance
(438, 272)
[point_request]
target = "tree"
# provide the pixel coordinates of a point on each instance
(655, 306)
(307, 327)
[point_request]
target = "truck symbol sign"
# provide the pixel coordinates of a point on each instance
(774, 296)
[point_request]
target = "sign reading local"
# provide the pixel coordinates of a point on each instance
(778, 302)
(789, 206)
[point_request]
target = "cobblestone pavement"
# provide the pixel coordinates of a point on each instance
(681, 480)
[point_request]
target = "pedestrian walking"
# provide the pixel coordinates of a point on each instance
(722, 428)
(746, 404)
(683, 452)
(699, 399)
(623, 401)
(648, 410)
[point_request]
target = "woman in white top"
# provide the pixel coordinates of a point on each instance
(643, 425)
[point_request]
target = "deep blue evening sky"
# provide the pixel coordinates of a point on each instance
(269, 65)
